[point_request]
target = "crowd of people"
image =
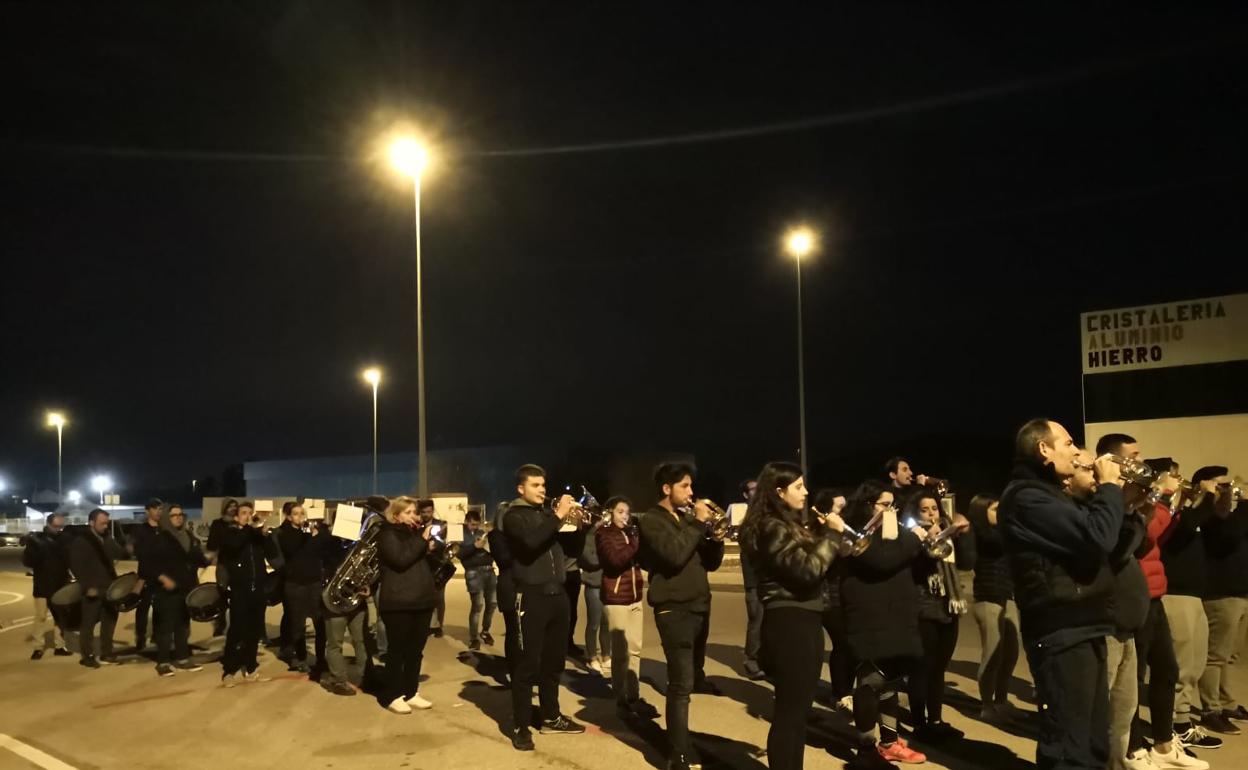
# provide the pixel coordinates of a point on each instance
(1119, 592)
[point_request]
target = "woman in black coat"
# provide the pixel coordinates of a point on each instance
(790, 562)
(994, 609)
(406, 602)
(881, 616)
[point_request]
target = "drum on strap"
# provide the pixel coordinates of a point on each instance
(205, 602)
(67, 605)
(120, 592)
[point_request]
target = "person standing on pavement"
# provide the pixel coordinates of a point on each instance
(245, 547)
(994, 609)
(406, 600)
(597, 637)
(501, 553)
(47, 557)
(427, 511)
(480, 580)
(229, 512)
(91, 557)
(840, 661)
(302, 544)
(144, 541)
(1225, 601)
(753, 605)
(623, 584)
(177, 560)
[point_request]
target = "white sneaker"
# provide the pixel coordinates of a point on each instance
(1177, 759)
(229, 680)
(417, 702)
(256, 676)
(596, 667)
(1139, 760)
(399, 706)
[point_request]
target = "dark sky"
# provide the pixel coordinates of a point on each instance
(198, 258)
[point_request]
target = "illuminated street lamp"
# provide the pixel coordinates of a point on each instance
(101, 484)
(74, 496)
(800, 242)
(58, 421)
(372, 376)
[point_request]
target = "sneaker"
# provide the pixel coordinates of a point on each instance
(164, 669)
(437, 632)
(991, 713)
(752, 671)
(487, 638)
(256, 676)
(298, 666)
(1239, 714)
(705, 687)
(561, 725)
(340, 688)
(1195, 737)
(229, 680)
(521, 739)
(1219, 724)
(682, 762)
(90, 662)
(399, 706)
(109, 660)
(474, 645)
(1177, 759)
(36, 654)
(187, 665)
(846, 704)
(1139, 760)
(417, 702)
(595, 667)
(61, 652)
(869, 758)
(898, 751)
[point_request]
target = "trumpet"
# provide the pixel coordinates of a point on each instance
(585, 510)
(1133, 471)
(718, 525)
(853, 542)
(940, 546)
(939, 486)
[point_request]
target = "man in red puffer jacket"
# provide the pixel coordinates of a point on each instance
(623, 582)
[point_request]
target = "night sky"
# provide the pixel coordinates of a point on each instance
(199, 255)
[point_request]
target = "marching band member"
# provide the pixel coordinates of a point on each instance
(143, 538)
(245, 546)
(623, 583)
(678, 554)
(501, 553)
(902, 480)
(303, 552)
(994, 609)
(91, 557)
(1058, 554)
(538, 571)
(881, 619)
(46, 555)
(427, 510)
(177, 559)
(480, 580)
(791, 563)
(597, 637)
(1226, 605)
(406, 602)
(753, 605)
(840, 661)
(216, 530)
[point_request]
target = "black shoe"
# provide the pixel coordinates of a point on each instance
(682, 762)
(705, 687)
(575, 651)
(522, 739)
(561, 725)
(89, 662)
(300, 666)
(61, 652)
(642, 709)
(187, 665)
(1219, 724)
(752, 671)
(487, 638)
(870, 759)
(36, 655)
(109, 660)
(935, 732)
(340, 688)
(474, 645)
(164, 669)
(1194, 736)
(1239, 714)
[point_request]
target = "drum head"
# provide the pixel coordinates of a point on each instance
(68, 594)
(204, 602)
(121, 586)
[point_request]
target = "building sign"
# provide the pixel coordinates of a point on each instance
(1201, 331)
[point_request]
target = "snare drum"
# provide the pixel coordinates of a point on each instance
(120, 592)
(204, 602)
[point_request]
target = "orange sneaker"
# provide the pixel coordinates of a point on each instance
(898, 751)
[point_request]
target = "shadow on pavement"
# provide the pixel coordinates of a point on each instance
(970, 707)
(730, 655)
(1020, 688)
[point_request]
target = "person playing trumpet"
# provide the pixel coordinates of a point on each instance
(480, 579)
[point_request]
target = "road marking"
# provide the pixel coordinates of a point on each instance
(17, 624)
(141, 699)
(16, 597)
(32, 754)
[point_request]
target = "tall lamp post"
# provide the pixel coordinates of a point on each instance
(57, 420)
(799, 243)
(409, 158)
(372, 376)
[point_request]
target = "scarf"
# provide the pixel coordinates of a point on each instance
(944, 582)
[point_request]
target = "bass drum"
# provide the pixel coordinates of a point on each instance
(120, 592)
(205, 602)
(66, 605)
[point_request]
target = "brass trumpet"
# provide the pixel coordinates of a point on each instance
(718, 525)
(940, 546)
(853, 542)
(585, 509)
(939, 486)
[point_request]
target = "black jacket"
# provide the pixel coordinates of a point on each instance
(470, 555)
(1226, 548)
(791, 563)
(143, 536)
(1183, 551)
(1129, 605)
(984, 551)
(879, 601)
(91, 560)
(537, 558)
(406, 577)
(243, 552)
(506, 586)
(47, 556)
(179, 565)
(1058, 550)
(677, 553)
(303, 552)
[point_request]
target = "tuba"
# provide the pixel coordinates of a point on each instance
(357, 572)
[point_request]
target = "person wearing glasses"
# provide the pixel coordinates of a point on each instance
(177, 559)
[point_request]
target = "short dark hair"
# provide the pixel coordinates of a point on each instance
(615, 500)
(1028, 438)
(744, 487)
(1208, 472)
(472, 515)
(825, 497)
(893, 463)
(1111, 443)
(672, 473)
(287, 507)
(171, 506)
(95, 514)
(1161, 465)
(53, 515)
(529, 471)
(246, 504)
(154, 504)
(424, 503)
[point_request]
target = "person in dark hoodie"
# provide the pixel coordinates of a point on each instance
(245, 547)
(177, 559)
(303, 552)
(678, 554)
(538, 572)
(91, 557)
(1226, 603)
(1059, 557)
(47, 556)
(229, 512)
(143, 538)
(792, 562)
(406, 600)
(506, 585)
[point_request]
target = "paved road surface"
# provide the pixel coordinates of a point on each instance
(58, 715)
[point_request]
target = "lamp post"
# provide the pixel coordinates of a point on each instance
(57, 420)
(799, 243)
(101, 484)
(372, 376)
(409, 158)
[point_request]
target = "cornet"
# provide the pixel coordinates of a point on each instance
(940, 546)
(853, 542)
(585, 510)
(718, 525)
(939, 486)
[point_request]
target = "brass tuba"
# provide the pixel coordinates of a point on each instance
(358, 571)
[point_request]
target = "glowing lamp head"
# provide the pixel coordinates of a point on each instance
(101, 483)
(56, 420)
(799, 242)
(372, 376)
(408, 157)
(74, 496)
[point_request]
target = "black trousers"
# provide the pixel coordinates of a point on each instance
(792, 651)
(543, 638)
(242, 638)
(875, 697)
(1154, 647)
(753, 624)
(840, 661)
(406, 634)
(680, 632)
(1072, 684)
(511, 623)
(572, 584)
(146, 603)
(300, 602)
(173, 625)
(927, 683)
(96, 610)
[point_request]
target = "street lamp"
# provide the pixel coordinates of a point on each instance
(101, 484)
(799, 243)
(74, 496)
(57, 420)
(409, 157)
(372, 376)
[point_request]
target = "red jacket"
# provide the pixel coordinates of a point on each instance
(622, 579)
(1154, 570)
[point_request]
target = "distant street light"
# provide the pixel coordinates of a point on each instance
(101, 484)
(372, 376)
(3, 485)
(75, 497)
(410, 158)
(799, 243)
(57, 420)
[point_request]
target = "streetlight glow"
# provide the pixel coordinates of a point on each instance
(372, 376)
(408, 156)
(101, 484)
(74, 496)
(799, 242)
(56, 420)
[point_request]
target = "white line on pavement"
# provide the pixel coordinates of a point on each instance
(22, 623)
(32, 754)
(16, 597)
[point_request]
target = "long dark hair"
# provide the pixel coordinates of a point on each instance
(767, 504)
(977, 512)
(911, 510)
(861, 504)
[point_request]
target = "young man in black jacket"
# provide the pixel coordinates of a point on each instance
(245, 546)
(91, 557)
(143, 538)
(1225, 601)
(427, 511)
(303, 552)
(480, 579)
(541, 605)
(47, 558)
(677, 552)
(1058, 553)
(176, 560)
